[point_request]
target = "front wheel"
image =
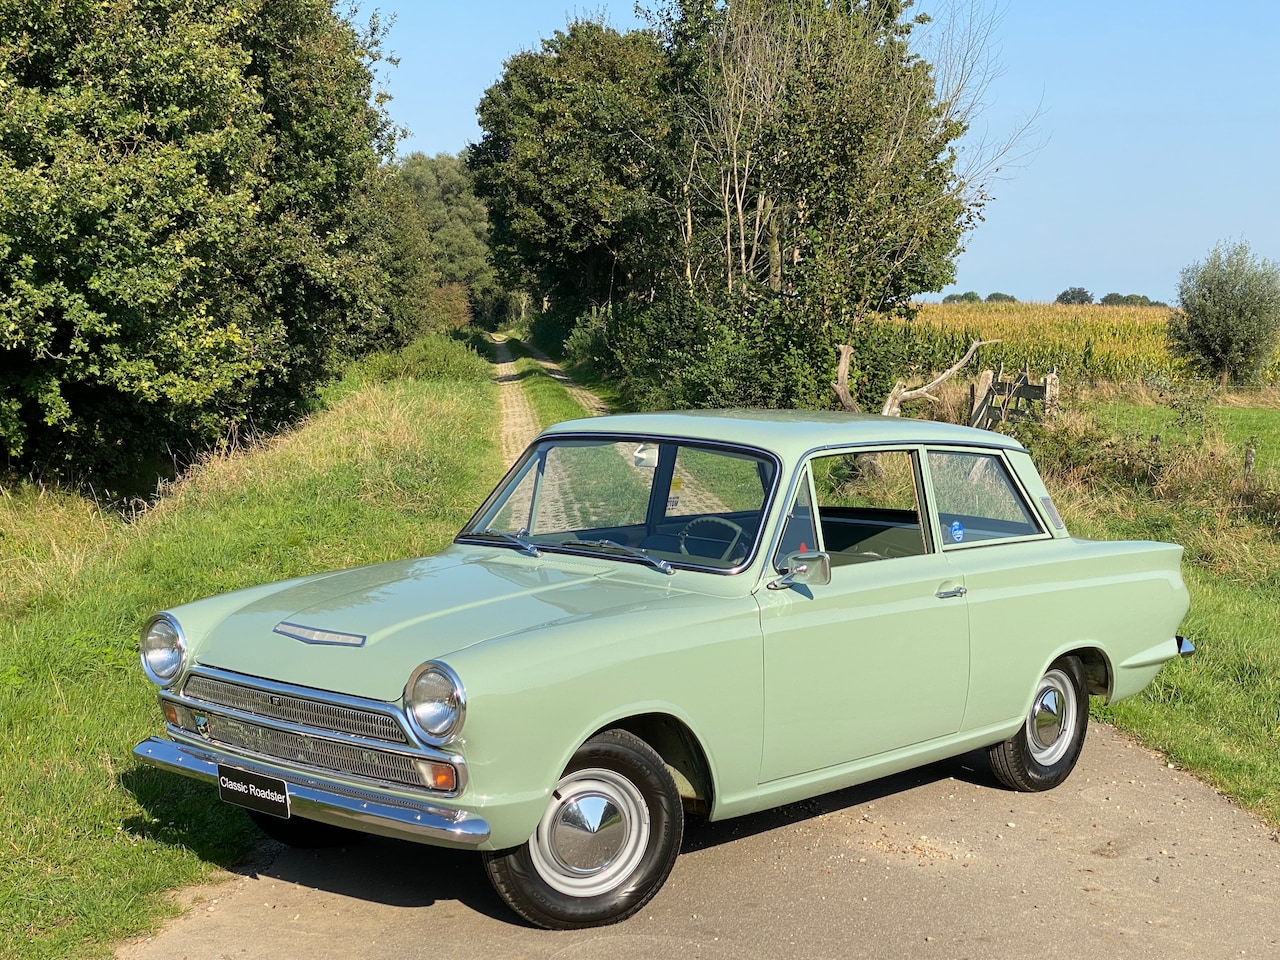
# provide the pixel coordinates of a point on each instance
(1044, 751)
(604, 846)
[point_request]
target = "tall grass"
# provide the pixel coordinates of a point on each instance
(89, 840)
(1174, 472)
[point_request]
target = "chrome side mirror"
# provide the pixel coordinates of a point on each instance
(800, 569)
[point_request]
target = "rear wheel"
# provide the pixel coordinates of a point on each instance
(303, 833)
(1044, 751)
(605, 844)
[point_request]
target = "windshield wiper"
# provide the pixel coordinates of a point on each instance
(510, 538)
(622, 548)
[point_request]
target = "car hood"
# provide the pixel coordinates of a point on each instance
(362, 632)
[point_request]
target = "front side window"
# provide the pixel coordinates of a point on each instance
(641, 499)
(865, 504)
(976, 499)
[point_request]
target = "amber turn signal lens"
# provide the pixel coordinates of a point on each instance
(443, 777)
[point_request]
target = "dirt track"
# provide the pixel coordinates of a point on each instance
(1129, 859)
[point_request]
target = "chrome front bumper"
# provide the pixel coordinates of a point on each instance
(326, 801)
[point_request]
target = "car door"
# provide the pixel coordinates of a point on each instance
(877, 659)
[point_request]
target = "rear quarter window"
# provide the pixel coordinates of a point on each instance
(976, 499)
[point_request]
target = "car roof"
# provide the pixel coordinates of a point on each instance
(787, 432)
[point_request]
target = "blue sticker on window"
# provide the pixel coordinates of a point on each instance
(957, 531)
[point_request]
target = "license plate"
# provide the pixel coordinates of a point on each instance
(252, 790)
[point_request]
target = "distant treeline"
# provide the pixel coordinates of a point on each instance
(1072, 295)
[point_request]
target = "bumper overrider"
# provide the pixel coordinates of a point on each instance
(347, 762)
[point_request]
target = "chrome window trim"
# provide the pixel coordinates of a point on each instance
(1015, 483)
(924, 492)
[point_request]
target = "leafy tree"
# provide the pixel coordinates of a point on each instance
(182, 189)
(457, 224)
(744, 186)
(1075, 296)
(865, 164)
(969, 296)
(567, 164)
(1129, 300)
(1228, 322)
(1001, 298)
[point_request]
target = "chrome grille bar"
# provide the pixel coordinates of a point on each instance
(313, 751)
(293, 709)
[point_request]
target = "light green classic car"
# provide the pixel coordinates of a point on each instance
(654, 615)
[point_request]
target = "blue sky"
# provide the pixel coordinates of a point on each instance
(1158, 128)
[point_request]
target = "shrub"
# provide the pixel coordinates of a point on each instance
(1228, 323)
(970, 296)
(433, 356)
(1001, 298)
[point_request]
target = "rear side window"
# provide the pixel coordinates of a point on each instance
(976, 499)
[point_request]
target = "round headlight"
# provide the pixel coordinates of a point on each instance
(163, 650)
(436, 702)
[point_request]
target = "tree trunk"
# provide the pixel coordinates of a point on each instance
(841, 386)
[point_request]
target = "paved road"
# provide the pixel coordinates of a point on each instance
(1129, 859)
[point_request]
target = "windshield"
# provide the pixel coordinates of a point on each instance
(637, 499)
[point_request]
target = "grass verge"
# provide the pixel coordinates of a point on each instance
(1217, 713)
(551, 402)
(90, 841)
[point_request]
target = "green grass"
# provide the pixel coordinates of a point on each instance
(551, 402)
(1239, 426)
(1218, 712)
(90, 841)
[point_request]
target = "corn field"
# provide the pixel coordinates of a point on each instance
(1085, 343)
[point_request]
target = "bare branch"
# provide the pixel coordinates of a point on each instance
(900, 394)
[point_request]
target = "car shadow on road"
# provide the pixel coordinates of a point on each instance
(395, 873)
(970, 768)
(400, 873)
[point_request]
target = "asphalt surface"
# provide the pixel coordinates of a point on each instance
(1129, 859)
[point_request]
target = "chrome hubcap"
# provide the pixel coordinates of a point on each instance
(1052, 718)
(587, 833)
(593, 834)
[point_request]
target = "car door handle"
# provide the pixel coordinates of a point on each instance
(953, 592)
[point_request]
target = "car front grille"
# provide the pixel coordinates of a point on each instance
(317, 714)
(341, 737)
(314, 751)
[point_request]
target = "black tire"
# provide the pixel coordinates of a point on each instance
(1045, 749)
(617, 814)
(303, 833)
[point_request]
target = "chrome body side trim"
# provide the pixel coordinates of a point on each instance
(328, 801)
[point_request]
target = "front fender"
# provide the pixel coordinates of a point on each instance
(536, 697)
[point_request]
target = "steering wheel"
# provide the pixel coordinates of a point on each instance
(736, 531)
